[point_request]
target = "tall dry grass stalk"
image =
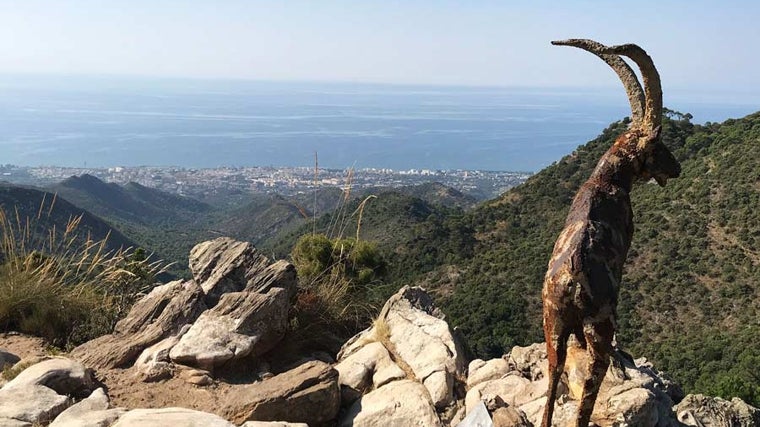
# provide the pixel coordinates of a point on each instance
(61, 285)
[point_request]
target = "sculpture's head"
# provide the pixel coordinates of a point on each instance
(658, 162)
(644, 140)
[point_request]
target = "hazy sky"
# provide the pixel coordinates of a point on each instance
(695, 43)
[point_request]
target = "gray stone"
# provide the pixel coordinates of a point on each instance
(399, 403)
(154, 363)
(415, 333)
(174, 417)
(62, 375)
(160, 314)
(225, 265)
(272, 424)
(480, 371)
(94, 411)
(369, 367)
(242, 323)
(308, 394)
(705, 411)
(32, 403)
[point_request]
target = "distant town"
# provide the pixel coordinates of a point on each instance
(280, 180)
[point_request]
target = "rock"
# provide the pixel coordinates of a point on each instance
(508, 416)
(272, 424)
(511, 389)
(197, 377)
(224, 265)
(480, 371)
(504, 415)
(704, 411)
(11, 422)
(369, 367)
(635, 407)
(175, 417)
(242, 323)
(62, 375)
(530, 361)
(93, 411)
(154, 363)
(308, 394)
(477, 417)
(420, 341)
(7, 358)
(399, 403)
(160, 314)
(31, 403)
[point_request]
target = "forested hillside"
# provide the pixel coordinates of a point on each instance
(44, 213)
(690, 296)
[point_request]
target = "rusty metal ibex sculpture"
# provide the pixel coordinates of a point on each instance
(581, 285)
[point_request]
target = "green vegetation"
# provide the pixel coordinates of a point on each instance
(338, 280)
(690, 299)
(60, 286)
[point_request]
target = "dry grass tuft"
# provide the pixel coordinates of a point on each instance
(60, 285)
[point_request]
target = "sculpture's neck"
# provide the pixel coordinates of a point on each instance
(616, 167)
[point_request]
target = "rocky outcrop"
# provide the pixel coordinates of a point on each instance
(250, 302)
(399, 403)
(248, 322)
(419, 343)
(308, 393)
(225, 265)
(160, 314)
(704, 411)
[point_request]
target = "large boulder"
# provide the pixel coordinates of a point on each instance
(32, 403)
(399, 403)
(308, 394)
(704, 411)
(94, 411)
(62, 375)
(225, 265)
(248, 322)
(420, 342)
(160, 314)
(175, 417)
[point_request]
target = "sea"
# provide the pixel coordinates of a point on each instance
(100, 121)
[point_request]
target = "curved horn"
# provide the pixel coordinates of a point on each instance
(652, 85)
(625, 73)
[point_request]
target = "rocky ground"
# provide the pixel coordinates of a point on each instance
(204, 353)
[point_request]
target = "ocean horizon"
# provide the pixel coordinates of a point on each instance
(104, 122)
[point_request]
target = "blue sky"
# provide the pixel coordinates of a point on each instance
(695, 44)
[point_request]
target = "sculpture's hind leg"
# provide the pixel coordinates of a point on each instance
(556, 334)
(598, 337)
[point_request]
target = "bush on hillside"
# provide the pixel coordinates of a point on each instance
(338, 279)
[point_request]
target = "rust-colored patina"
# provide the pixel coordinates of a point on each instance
(581, 285)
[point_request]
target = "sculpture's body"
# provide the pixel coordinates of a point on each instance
(581, 285)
